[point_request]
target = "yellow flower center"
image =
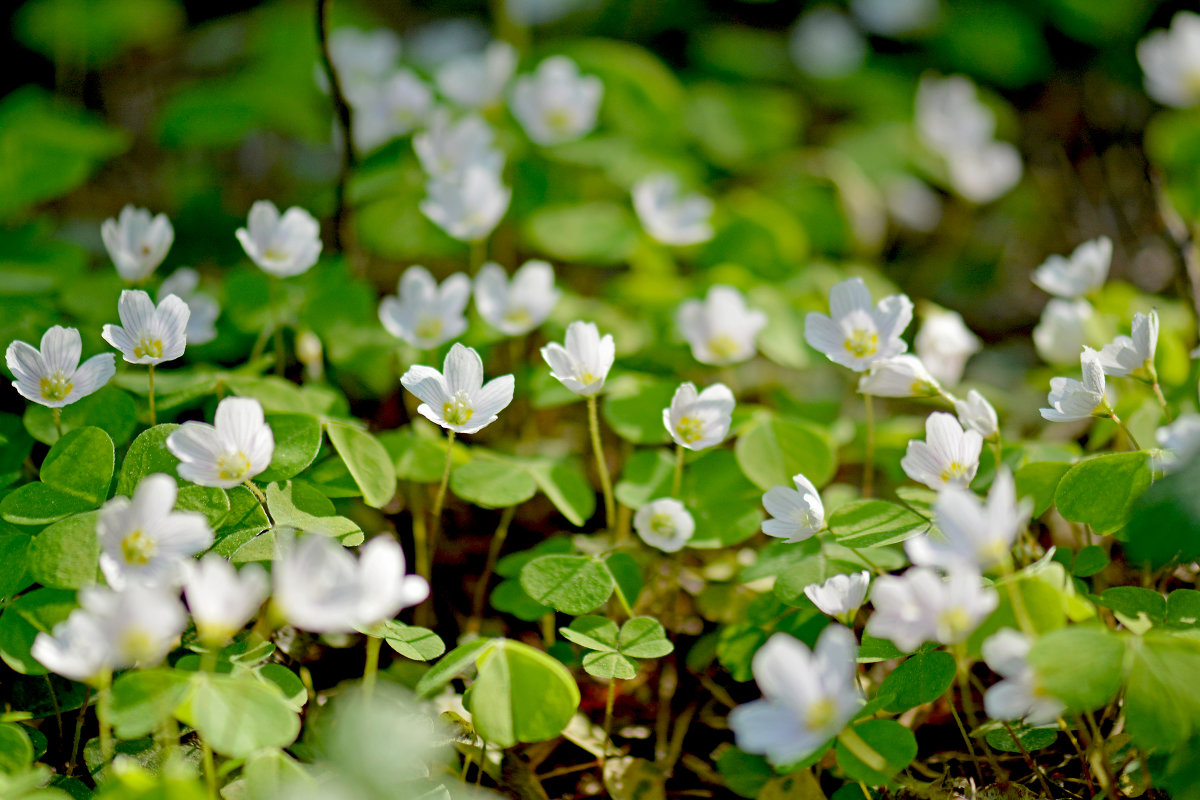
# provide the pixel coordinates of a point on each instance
(137, 645)
(457, 410)
(137, 548)
(690, 430)
(862, 343)
(56, 387)
(820, 714)
(723, 346)
(662, 524)
(518, 316)
(145, 249)
(923, 388)
(429, 328)
(233, 466)
(271, 254)
(148, 347)
(954, 471)
(955, 623)
(559, 120)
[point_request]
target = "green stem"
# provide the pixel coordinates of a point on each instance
(1132, 441)
(608, 713)
(87, 693)
(260, 497)
(103, 716)
(58, 421)
(372, 666)
(208, 664)
(868, 479)
(1162, 401)
(478, 255)
(153, 416)
(494, 549)
(1017, 600)
(861, 750)
(677, 480)
(439, 501)
(610, 513)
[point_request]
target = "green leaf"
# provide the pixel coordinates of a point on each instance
(285, 501)
(14, 561)
(1183, 607)
(452, 664)
(592, 632)
(418, 458)
(646, 476)
(890, 740)
(113, 27)
(245, 520)
(874, 523)
(66, 555)
(1161, 702)
(1081, 665)
(16, 750)
(144, 699)
(1165, 524)
(609, 665)
(599, 232)
(297, 442)
(566, 485)
(634, 408)
(110, 409)
(790, 585)
(1134, 601)
(776, 448)
(81, 464)
(30, 614)
(1089, 560)
(39, 504)
(520, 695)
(1030, 739)
(570, 584)
(147, 455)
(492, 482)
(368, 462)
(644, 637)
(744, 773)
(210, 501)
(724, 503)
(1100, 491)
(238, 715)
(627, 573)
(920, 679)
(411, 641)
(1039, 480)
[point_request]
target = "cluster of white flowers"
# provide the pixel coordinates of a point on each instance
(954, 123)
(1066, 320)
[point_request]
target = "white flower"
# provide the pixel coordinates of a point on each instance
(976, 414)
(391, 108)
(143, 540)
(895, 17)
(1180, 440)
(149, 335)
(950, 116)
(457, 398)
(136, 242)
(986, 172)
(139, 624)
(670, 216)
(975, 535)
(518, 306)
(423, 313)
(467, 206)
(720, 329)
(840, 594)
(856, 335)
(76, 649)
(796, 514)
(1072, 400)
(921, 606)
(1133, 355)
(664, 523)
(826, 44)
(320, 587)
(238, 446)
(949, 456)
(1084, 271)
(556, 104)
(1171, 60)
(282, 246)
(221, 598)
(1062, 330)
(1019, 695)
(697, 421)
(52, 376)
(449, 148)
(584, 363)
(912, 203)
(808, 696)
(944, 343)
(203, 310)
(361, 59)
(899, 376)
(477, 80)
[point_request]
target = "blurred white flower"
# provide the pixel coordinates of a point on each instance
(143, 540)
(826, 44)
(895, 17)
(1133, 356)
(1019, 696)
(808, 696)
(435, 42)
(664, 523)
(457, 398)
(1171, 60)
(944, 343)
(517, 306)
(584, 363)
(1063, 330)
(950, 116)
(949, 456)
(899, 376)
(478, 80)
(53, 376)
(974, 535)
(203, 310)
(149, 335)
(321, 587)
(447, 148)
(699, 420)
(394, 107)
(423, 313)
(140, 623)
(912, 203)
(720, 329)
(238, 446)
(669, 215)
(467, 206)
(855, 334)
(921, 606)
(77, 648)
(281, 245)
(976, 414)
(796, 514)
(136, 242)
(222, 598)
(1180, 441)
(1084, 271)
(1072, 400)
(541, 12)
(362, 59)
(986, 172)
(840, 595)
(556, 104)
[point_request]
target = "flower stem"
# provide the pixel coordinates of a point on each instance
(372, 666)
(342, 111)
(868, 478)
(208, 664)
(87, 693)
(501, 534)
(58, 421)
(1162, 401)
(103, 715)
(608, 712)
(677, 480)
(439, 500)
(478, 254)
(153, 416)
(1128, 434)
(610, 513)
(260, 497)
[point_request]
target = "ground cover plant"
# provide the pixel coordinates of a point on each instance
(579, 398)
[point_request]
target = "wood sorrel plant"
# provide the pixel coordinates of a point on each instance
(929, 590)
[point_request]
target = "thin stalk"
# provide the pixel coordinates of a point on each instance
(482, 761)
(1132, 441)
(677, 480)
(54, 702)
(439, 499)
(1162, 401)
(967, 740)
(494, 549)
(608, 712)
(87, 693)
(610, 512)
(371, 670)
(104, 715)
(868, 480)
(153, 416)
(478, 255)
(208, 663)
(1033, 765)
(342, 113)
(260, 497)
(58, 421)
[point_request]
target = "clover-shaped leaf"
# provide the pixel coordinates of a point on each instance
(615, 651)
